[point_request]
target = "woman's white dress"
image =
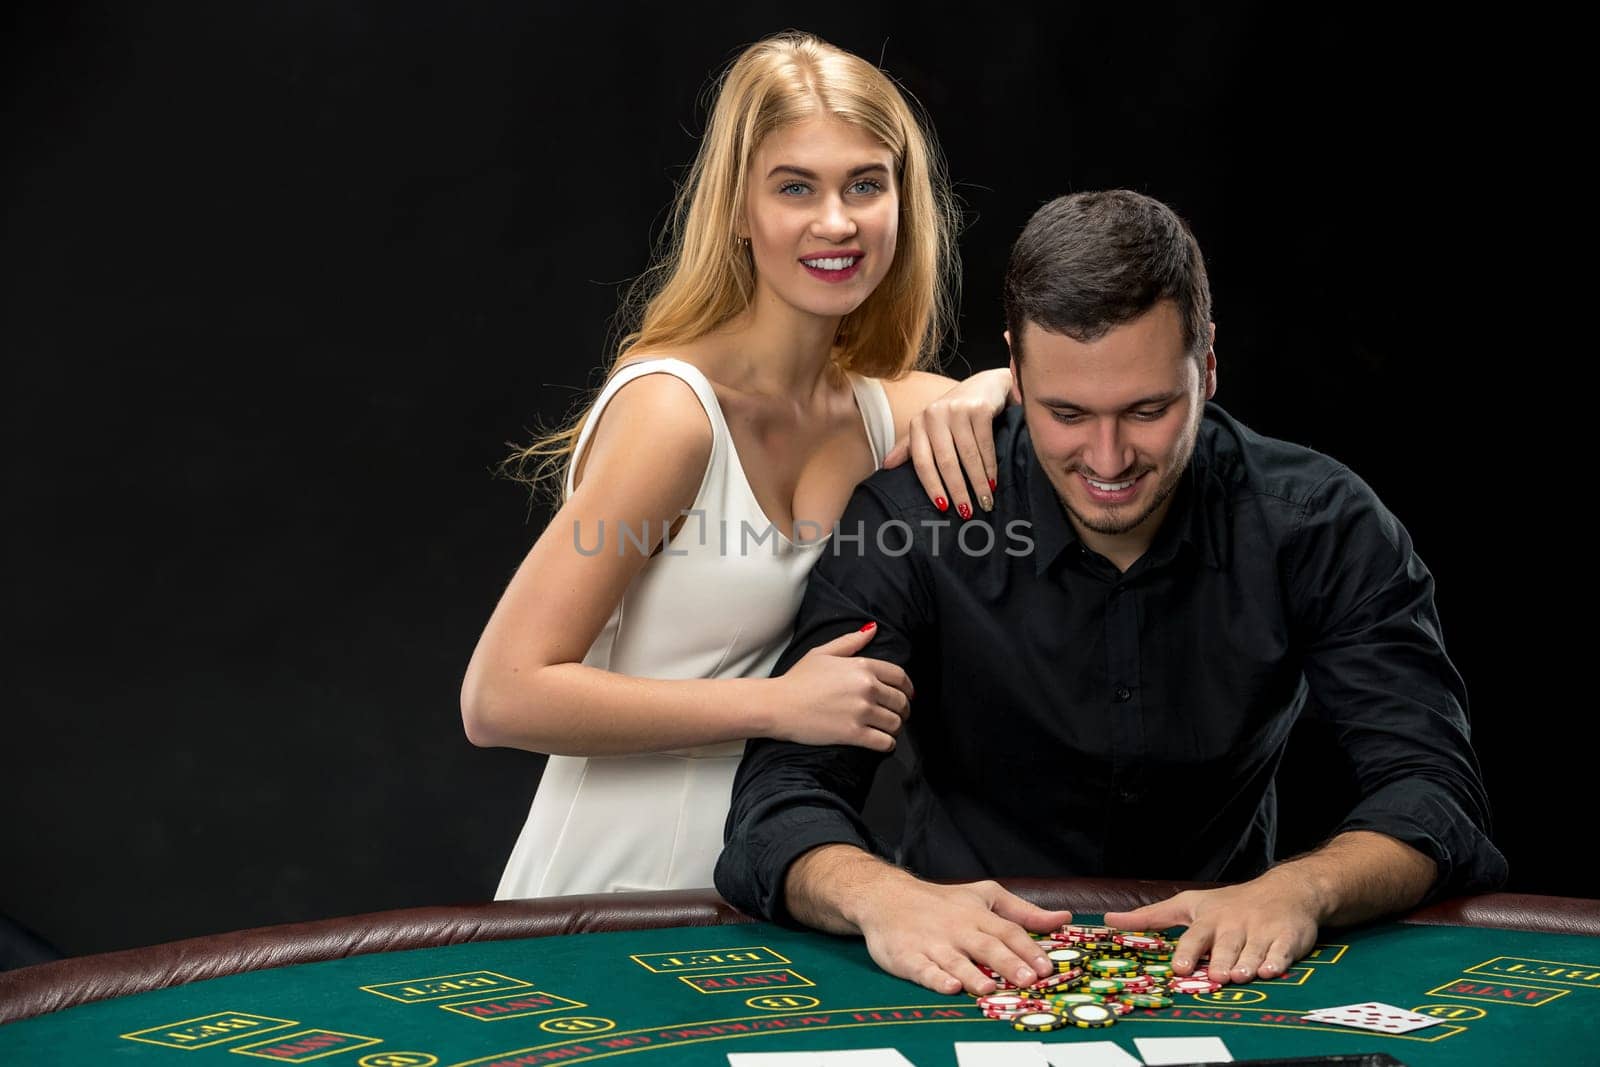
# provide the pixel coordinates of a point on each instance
(720, 605)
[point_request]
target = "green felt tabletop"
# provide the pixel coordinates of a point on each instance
(690, 996)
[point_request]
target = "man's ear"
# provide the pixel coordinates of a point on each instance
(1016, 379)
(1211, 362)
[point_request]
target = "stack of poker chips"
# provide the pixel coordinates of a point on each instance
(1101, 973)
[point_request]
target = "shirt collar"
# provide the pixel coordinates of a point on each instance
(1199, 516)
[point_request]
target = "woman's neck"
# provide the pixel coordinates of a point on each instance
(774, 349)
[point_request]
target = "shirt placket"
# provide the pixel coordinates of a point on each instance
(1125, 699)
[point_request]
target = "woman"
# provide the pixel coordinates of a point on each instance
(809, 271)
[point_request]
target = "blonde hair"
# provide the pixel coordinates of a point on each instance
(702, 277)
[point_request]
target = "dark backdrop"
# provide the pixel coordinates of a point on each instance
(281, 280)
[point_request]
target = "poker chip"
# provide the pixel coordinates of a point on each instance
(1101, 974)
(1147, 1000)
(1193, 985)
(1063, 981)
(1090, 1016)
(1057, 1001)
(1139, 941)
(1108, 968)
(1000, 1000)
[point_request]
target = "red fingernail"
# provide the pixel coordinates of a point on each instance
(867, 627)
(941, 503)
(991, 485)
(965, 510)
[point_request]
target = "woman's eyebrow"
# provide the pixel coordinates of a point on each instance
(865, 168)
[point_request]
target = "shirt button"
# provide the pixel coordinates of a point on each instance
(1122, 694)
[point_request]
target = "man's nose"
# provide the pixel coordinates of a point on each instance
(1108, 453)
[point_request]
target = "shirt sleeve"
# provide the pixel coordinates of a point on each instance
(1376, 665)
(789, 798)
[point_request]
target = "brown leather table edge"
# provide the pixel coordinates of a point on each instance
(49, 987)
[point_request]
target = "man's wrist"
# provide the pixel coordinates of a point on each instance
(1303, 879)
(831, 885)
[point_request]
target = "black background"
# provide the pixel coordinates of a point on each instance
(282, 279)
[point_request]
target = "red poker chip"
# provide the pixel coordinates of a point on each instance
(1193, 985)
(1138, 941)
(1000, 1000)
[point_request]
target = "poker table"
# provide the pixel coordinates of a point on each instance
(651, 979)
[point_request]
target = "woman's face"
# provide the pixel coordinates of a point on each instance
(823, 215)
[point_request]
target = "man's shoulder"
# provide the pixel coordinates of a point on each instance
(899, 491)
(1253, 464)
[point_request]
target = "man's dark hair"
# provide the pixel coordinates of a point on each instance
(1088, 262)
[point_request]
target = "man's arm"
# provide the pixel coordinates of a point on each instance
(1363, 612)
(797, 850)
(1257, 929)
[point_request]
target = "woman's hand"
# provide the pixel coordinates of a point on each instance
(832, 697)
(955, 434)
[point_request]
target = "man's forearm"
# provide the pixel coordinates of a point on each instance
(1359, 875)
(823, 884)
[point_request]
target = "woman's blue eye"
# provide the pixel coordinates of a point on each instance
(868, 185)
(787, 186)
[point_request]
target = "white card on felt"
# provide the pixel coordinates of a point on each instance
(851, 1057)
(1090, 1054)
(1379, 1018)
(999, 1054)
(1158, 1050)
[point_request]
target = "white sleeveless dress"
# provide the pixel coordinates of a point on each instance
(722, 605)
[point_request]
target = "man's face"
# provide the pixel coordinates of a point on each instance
(1114, 422)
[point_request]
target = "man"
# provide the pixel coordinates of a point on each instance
(1107, 674)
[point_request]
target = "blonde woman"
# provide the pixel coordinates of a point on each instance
(809, 273)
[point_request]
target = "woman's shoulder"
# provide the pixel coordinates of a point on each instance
(654, 422)
(913, 391)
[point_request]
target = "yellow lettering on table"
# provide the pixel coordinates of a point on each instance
(577, 1024)
(207, 1030)
(444, 986)
(1586, 975)
(707, 959)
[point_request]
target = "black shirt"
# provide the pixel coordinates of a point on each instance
(1073, 720)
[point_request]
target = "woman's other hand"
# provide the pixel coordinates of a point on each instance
(831, 696)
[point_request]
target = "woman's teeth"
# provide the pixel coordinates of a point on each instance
(830, 264)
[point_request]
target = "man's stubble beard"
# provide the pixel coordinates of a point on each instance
(1114, 527)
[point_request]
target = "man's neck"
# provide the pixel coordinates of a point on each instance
(1124, 549)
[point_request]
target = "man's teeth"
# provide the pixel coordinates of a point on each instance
(830, 264)
(1110, 487)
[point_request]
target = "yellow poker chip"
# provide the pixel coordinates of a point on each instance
(1039, 1022)
(1090, 1016)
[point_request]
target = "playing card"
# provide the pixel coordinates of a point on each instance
(1379, 1018)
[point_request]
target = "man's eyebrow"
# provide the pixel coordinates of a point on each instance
(1143, 402)
(865, 168)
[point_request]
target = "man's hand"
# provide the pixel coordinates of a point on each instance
(936, 935)
(1253, 930)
